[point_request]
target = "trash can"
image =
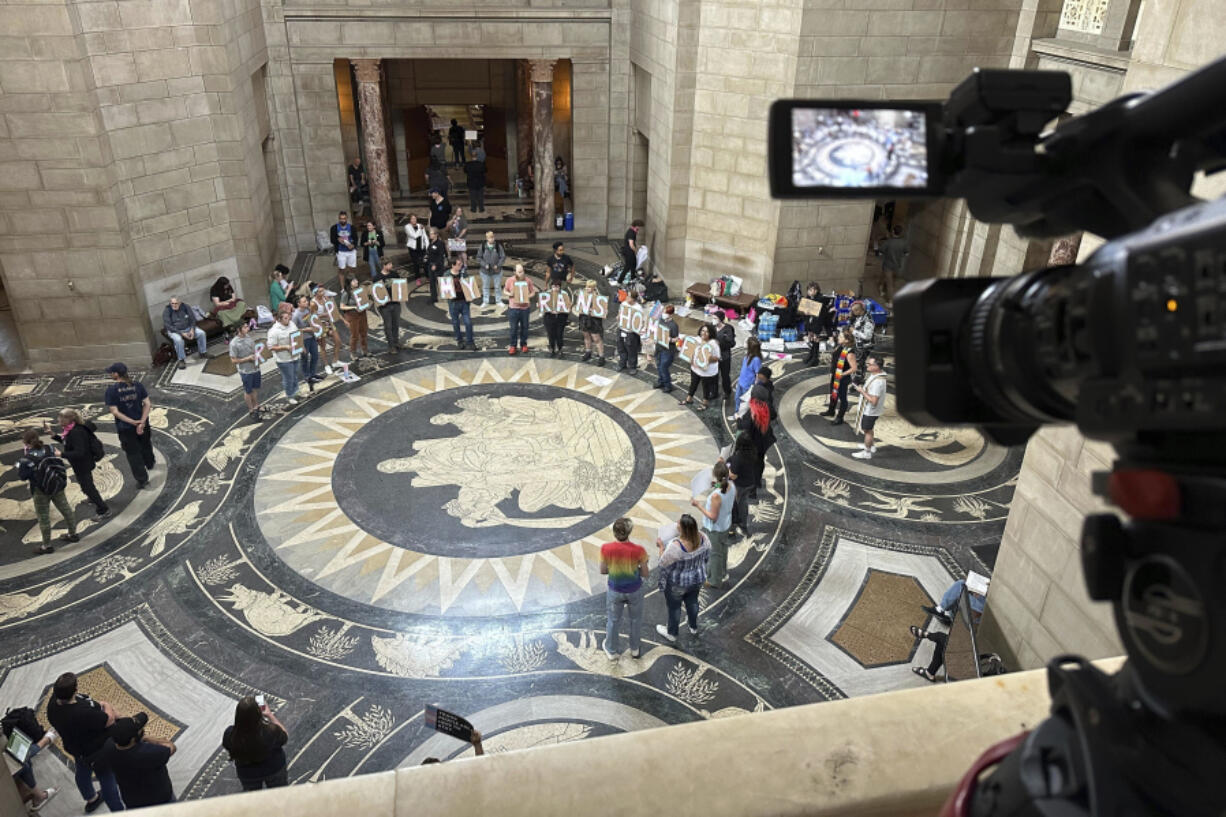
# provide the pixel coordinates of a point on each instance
(570, 221)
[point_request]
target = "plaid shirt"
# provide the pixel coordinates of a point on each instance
(688, 571)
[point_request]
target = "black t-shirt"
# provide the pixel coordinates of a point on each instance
(356, 174)
(746, 470)
(560, 267)
(440, 213)
(631, 235)
(272, 755)
(82, 724)
(129, 398)
(140, 772)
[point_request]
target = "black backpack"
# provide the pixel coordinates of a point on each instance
(22, 718)
(50, 473)
(96, 451)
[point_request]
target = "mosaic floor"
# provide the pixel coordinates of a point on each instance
(430, 533)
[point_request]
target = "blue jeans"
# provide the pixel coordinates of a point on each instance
(461, 312)
(664, 363)
(519, 326)
(674, 597)
(372, 256)
(106, 781)
(949, 601)
(26, 775)
(289, 377)
(615, 603)
(181, 347)
(310, 355)
(491, 288)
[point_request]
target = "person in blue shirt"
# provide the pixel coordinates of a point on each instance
(129, 405)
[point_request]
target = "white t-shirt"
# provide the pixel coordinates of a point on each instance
(278, 335)
(711, 368)
(876, 386)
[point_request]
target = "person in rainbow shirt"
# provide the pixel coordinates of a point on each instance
(625, 563)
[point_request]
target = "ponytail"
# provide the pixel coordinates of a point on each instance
(720, 476)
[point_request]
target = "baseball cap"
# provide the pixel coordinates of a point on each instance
(124, 731)
(117, 368)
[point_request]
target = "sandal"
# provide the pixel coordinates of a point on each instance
(917, 632)
(686, 401)
(925, 674)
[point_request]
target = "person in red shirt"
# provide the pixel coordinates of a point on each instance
(625, 563)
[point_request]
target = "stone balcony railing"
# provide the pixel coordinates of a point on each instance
(898, 753)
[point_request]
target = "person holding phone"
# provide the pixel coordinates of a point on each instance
(256, 743)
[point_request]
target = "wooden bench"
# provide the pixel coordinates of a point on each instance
(701, 293)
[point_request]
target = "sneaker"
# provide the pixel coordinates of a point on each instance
(327, 369)
(621, 368)
(693, 630)
(105, 513)
(71, 538)
(837, 421)
(182, 364)
(92, 805)
(484, 303)
(863, 455)
(829, 413)
(662, 630)
(43, 550)
(51, 792)
(292, 401)
(511, 351)
(587, 355)
(872, 450)
(142, 485)
(523, 350)
(256, 417)
(600, 360)
(612, 655)
(636, 654)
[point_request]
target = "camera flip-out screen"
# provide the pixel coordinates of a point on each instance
(820, 150)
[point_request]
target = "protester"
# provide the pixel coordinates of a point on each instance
(47, 474)
(628, 342)
(704, 375)
(227, 306)
(82, 724)
(815, 327)
(625, 563)
(355, 319)
(180, 326)
(129, 405)
(301, 317)
(666, 351)
(555, 323)
(725, 336)
(491, 256)
(683, 571)
(716, 510)
(390, 311)
(460, 309)
(872, 404)
(138, 763)
(82, 449)
(280, 288)
(279, 342)
(842, 369)
(256, 743)
(743, 469)
(750, 367)
(373, 243)
(592, 329)
(436, 261)
(319, 303)
(415, 241)
(345, 243)
(756, 423)
(561, 265)
(242, 355)
(518, 310)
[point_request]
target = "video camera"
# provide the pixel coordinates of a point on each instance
(1130, 345)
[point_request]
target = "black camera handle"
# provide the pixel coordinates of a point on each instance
(1150, 740)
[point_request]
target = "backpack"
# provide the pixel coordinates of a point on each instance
(990, 664)
(96, 452)
(50, 474)
(23, 718)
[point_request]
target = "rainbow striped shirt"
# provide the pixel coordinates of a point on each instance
(622, 559)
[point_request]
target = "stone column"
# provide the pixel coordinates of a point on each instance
(370, 107)
(542, 140)
(523, 114)
(1064, 250)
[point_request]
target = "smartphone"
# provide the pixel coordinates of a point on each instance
(259, 701)
(831, 148)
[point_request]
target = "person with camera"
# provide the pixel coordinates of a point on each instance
(138, 763)
(872, 404)
(82, 724)
(82, 449)
(842, 369)
(256, 743)
(47, 473)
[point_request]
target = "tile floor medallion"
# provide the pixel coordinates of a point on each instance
(429, 533)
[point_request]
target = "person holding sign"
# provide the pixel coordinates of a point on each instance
(354, 304)
(242, 355)
(704, 367)
(323, 310)
(436, 262)
(389, 309)
(625, 563)
(628, 341)
(286, 350)
(717, 519)
(310, 344)
(555, 318)
(666, 350)
(683, 570)
(519, 291)
(459, 307)
(592, 328)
